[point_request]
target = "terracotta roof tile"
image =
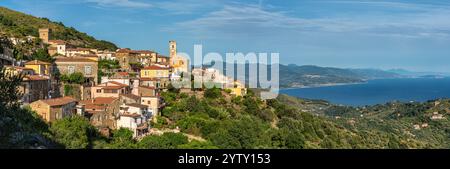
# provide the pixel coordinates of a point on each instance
(59, 101)
(35, 77)
(117, 83)
(149, 79)
(153, 67)
(99, 100)
(37, 62)
(18, 67)
(132, 96)
(134, 115)
(59, 42)
(78, 49)
(73, 59)
(136, 105)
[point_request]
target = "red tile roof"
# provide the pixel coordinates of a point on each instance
(35, 78)
(162, 56)
(111, 87)
(37, 62)
(132, 96)
(148, 87)
(134, 115)
(99, 100)
(117, 83)
(149, 79)
(59, 101)
(123, 73)
(59, 42)
(123, 50)
(136, 105)
(153, 67)
(72, 59)
(18, 67)
(143, 51)
(78, 49)
(94, 106)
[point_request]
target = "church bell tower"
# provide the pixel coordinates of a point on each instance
(172, 51)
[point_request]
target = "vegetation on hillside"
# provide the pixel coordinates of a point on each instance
(219, 120)
(106, 68)
(20, 25)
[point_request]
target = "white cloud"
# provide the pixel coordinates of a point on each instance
(121, 3)
(252, 19)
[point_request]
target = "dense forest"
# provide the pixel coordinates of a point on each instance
(20, 25)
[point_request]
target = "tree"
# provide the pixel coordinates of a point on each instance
(16, 121)
(73, 78)
(213, 93)
(9, 95)
(42, 55)
(123, 139)
(194, 144)
(165, 141)
(73, 132)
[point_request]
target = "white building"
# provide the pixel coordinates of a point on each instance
(106, 55)
(134, 117)
(58, 45)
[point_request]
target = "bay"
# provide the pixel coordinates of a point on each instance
(378, 91)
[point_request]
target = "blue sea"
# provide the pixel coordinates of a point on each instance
(378, 91)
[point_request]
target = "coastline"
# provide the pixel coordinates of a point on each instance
(324, 85)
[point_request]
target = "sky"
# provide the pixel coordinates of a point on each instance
(383, 34)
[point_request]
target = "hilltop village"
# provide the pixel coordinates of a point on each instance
(112, 89)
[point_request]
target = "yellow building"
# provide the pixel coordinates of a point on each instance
(14, 70)
(155, 72)
(238, 89)
(39, 67)
(54, 109)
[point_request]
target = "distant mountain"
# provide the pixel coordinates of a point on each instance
(19, 25)
(292, 75)
(311, 76)
(376, 74)
(419, 74)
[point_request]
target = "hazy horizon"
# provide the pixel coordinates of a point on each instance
(386, 34)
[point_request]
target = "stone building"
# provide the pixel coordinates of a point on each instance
(110, 89)
(57, 47)
(69, 65)
(102, 112)
(44, 34)
(54, 109)
(128, 57)
(35, 87)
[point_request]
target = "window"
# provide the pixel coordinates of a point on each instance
(88, 70)
(71, 69)
(149, 102)
(99, 90)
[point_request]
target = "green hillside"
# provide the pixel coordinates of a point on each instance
(391, 125)
(19, 25)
